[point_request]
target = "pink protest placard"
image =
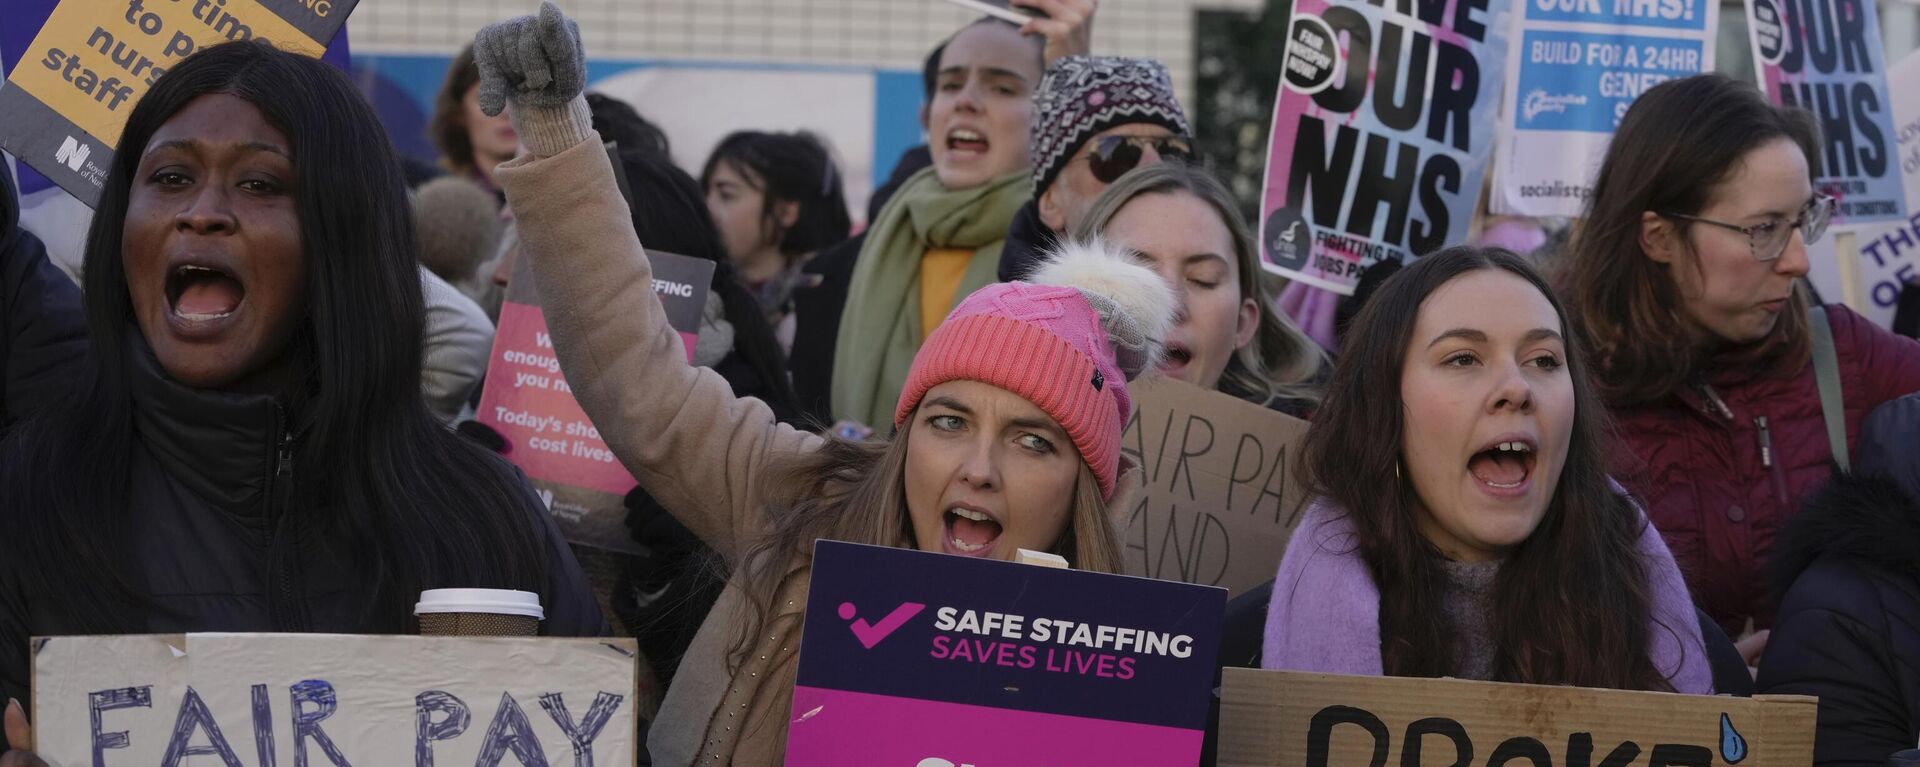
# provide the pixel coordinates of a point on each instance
(1381, 133)
(527, 400)
(915, 658)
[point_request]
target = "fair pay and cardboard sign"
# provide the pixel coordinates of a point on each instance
(1218, 498)
(1295, 719)
(267, 700)
(68, 99)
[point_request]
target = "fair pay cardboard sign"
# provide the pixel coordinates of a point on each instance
(1295, 719)
(1218, 498)
(265, 700)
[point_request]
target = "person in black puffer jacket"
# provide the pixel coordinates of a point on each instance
(1848, 569)
(247, 449)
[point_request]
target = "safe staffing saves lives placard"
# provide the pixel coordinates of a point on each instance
(916, 658)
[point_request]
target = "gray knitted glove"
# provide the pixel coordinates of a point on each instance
(531, 60)
(536, 64)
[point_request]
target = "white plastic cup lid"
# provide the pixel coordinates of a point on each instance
(491, 601)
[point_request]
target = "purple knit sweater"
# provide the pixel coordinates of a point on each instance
(1325, 614)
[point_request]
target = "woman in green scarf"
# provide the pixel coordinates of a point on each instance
(939, 238)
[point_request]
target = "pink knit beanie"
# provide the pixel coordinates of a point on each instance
(1069, 341)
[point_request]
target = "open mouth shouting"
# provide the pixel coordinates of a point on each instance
(970, 531)
(1504, 468)
(967, 143)
(202, 296)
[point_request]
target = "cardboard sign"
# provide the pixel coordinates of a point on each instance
(1381, 133)
(1576, 68)
(1888, 250)
(69, 98)
(1218, 497)
(527, 400)
(1291, 719)
(913, 658)
(1825, 57)
(260, 700)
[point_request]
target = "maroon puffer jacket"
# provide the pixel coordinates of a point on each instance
(1700, 472)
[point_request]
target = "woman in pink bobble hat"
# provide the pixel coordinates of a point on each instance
(1007, 434)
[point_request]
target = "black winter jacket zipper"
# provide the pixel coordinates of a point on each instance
(285, 604)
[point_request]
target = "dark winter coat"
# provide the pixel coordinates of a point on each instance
(1028, 241)
(212, 545)
(817, 308)
(43, 336)
(1716, 495)
(1849, 624)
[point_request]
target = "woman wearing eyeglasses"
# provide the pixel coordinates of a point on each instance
(1686, 281)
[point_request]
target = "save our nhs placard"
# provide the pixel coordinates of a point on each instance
(1825, 56)
(914, 658)
(1889, 251)
(1381, 133)
(1576, 67)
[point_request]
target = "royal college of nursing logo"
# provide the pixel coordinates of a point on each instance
(73, 154)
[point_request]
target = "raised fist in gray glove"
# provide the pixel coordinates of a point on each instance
(532, 61)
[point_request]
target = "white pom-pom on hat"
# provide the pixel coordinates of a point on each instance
(1136, 306)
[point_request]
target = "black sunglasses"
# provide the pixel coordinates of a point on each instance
(1110, 157)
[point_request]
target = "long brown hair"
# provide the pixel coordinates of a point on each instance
(1282, 361)
(1677, 143)
(1571, 604)
(448, 128)
(856, 492)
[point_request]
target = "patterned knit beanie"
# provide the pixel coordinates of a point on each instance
(1080, 96)
(1069, 341)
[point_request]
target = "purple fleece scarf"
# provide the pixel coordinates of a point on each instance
(1325, 614)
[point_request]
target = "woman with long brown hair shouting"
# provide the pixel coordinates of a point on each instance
(1465, 525)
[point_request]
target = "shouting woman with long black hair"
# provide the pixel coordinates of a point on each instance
(250, 451)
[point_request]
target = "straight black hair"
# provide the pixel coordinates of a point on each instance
(788, 167)
(617, 121)
(670, 214)
(405, 503)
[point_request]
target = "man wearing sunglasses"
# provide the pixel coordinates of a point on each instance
(1094, 119)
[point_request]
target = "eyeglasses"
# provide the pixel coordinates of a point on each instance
(1769, 240)
(1110, 157)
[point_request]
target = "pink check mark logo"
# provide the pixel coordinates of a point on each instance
(871, 634)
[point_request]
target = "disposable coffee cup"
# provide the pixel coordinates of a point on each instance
(479, 613)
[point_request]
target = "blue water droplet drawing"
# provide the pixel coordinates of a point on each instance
(1733, 748)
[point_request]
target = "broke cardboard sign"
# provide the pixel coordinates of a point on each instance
(1275, 718)
(260, 700)
(1218, 498)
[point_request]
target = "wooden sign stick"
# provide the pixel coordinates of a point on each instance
(1846, 246)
